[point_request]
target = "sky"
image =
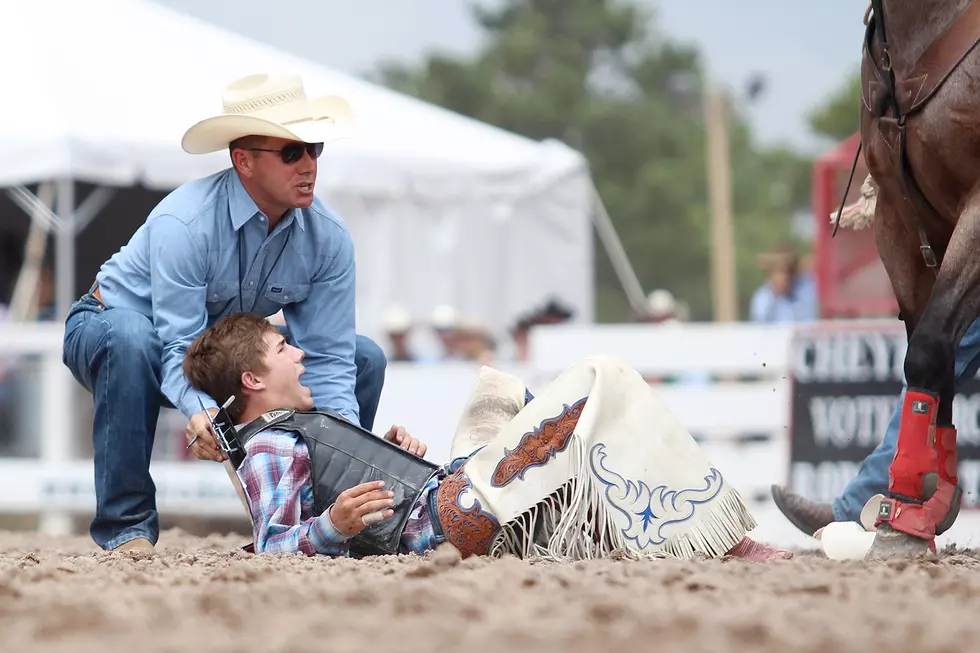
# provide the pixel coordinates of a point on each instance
(805, 49)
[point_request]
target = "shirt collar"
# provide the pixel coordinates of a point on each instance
(243, 207)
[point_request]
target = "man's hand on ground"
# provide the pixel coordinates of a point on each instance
(206, 446)
(364, 500)
(403, 439)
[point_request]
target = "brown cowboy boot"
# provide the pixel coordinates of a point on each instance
(808, 516)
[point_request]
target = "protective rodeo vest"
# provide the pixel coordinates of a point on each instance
(343, 455)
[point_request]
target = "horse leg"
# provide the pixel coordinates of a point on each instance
(923, 497)
(945, 447)
(912, 283)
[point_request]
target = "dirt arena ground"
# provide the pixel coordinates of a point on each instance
(202, 594)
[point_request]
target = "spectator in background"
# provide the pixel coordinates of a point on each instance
(789, 294)
(397, 323)
(553, 312)
(473, 342)
(661, 308)
(444, 323)
(519, 333)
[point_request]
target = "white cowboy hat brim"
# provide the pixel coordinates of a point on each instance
(320, 120)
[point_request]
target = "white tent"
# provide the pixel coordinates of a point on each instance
(443, 209)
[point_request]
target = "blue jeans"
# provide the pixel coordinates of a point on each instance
(115, 354)
(872, 476)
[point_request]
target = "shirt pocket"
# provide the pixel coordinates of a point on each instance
(282, 293)
(220, 295)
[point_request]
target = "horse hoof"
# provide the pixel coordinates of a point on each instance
(890, 544)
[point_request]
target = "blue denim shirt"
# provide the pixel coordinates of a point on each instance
(181, 269)
(800, 306)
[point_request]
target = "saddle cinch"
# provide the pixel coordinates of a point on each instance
(342, 455)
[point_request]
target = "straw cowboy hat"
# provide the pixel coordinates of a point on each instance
(396, 319)
(782, 256)
(263, 105)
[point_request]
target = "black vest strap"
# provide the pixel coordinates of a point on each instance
(260, 423)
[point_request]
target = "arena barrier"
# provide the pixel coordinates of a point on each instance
(769, 404)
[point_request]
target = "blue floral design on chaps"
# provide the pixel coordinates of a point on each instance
(648, 511)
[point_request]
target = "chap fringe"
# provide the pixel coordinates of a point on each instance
(575, 523)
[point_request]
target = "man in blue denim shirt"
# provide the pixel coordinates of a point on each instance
(872, 476)
(252, 238)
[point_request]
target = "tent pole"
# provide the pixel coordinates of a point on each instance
(90, 207)
(23, 304)
(34, 207)
(65, 249)
(617, 254)
(57, 426)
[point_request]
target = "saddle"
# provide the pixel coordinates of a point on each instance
(902, 98)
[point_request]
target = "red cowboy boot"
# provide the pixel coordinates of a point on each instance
(948, 462)
(919, 499)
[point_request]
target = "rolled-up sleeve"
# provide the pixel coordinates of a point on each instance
(178, 267)
(322, 325)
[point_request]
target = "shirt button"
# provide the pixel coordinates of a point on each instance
(215, 297)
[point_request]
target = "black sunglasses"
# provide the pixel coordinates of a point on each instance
(294, 151)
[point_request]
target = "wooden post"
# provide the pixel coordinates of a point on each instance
(720, 198)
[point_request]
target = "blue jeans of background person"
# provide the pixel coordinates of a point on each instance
(115, 354)
(872, 476)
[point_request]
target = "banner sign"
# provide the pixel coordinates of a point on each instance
(847, 381)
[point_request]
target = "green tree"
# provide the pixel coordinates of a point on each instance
(839, 116)
(598, 76)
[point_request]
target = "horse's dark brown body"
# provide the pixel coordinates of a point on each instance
(942, 140)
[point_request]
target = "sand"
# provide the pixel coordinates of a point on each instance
(203, 594)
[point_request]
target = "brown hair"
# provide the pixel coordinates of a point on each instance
(216, 360)
(246, 142)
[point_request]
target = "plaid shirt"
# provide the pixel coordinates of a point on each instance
(277, 479)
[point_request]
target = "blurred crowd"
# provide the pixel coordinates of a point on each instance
(789, 294)
(460, 338)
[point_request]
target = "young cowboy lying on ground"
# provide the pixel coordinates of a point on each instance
(593, 465)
